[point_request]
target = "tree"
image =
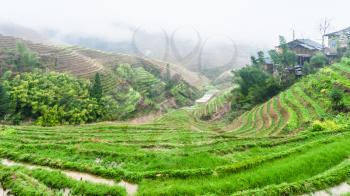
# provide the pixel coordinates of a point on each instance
(254, 61)
(55, 98)
(323, 28)
(27, 59)
(283, 59)
(261, 58)
(336, 98)
(248, 77)
(4, 102)
(287, 57)
(318, 60)
(255, 85)
(126, 72)
(96, 90)
(259, 61)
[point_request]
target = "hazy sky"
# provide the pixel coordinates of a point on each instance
(254, 21)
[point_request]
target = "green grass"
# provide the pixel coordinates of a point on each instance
(318, 109)
(303, 112)
(302, 166)
(293, 120)
(179, 154)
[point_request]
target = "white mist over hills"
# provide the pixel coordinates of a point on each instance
(190, 33)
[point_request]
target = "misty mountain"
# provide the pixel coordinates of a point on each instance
(210, 56)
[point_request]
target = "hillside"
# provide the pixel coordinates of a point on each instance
(148, 80)
(294, 143)
(84, 62)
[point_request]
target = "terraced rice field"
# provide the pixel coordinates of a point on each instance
(156, 160)
(61, 58)
(85, 63)
(269, 150)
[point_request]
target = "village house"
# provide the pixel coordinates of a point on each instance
(339, 39)
(304, 49)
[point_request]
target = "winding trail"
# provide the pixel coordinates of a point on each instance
(341, 189)
(131, 189)
(3, 192)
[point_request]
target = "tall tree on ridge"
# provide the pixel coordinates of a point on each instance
(96, 90)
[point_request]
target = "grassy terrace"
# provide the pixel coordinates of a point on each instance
(269, 150)
(166, 160)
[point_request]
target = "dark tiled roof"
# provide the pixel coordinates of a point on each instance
(306, 43)
(345, 31)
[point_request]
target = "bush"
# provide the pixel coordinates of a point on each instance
(327, 125)
(54, 98)
(337, 99)
(318, 60)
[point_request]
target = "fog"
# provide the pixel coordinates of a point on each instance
(191, 33)
(249, 21)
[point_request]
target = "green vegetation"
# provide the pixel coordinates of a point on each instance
(45, 182)
(140, 91)
(27, 60)
(53, 98)
(179, 154)
(29, 92)
(258, 83)
(4, 102)
(291, 142)
(318, 60)
(96, 89)
(214, 105)
(337, 99)
(255, 86)
(21, 59)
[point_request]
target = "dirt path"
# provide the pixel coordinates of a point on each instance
(131, 189)
(333, 191)
(145, 119)
(3, 192)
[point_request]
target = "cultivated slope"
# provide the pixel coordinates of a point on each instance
(84, 62)
(270, 150)
(296, 108)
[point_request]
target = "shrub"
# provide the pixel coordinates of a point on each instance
(336, 97)
(318, 60)
(328, 125)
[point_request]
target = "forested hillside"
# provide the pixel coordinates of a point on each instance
(130, 86)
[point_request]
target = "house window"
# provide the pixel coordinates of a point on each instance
(333, 44)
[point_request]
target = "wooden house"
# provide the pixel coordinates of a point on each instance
(304, 49)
